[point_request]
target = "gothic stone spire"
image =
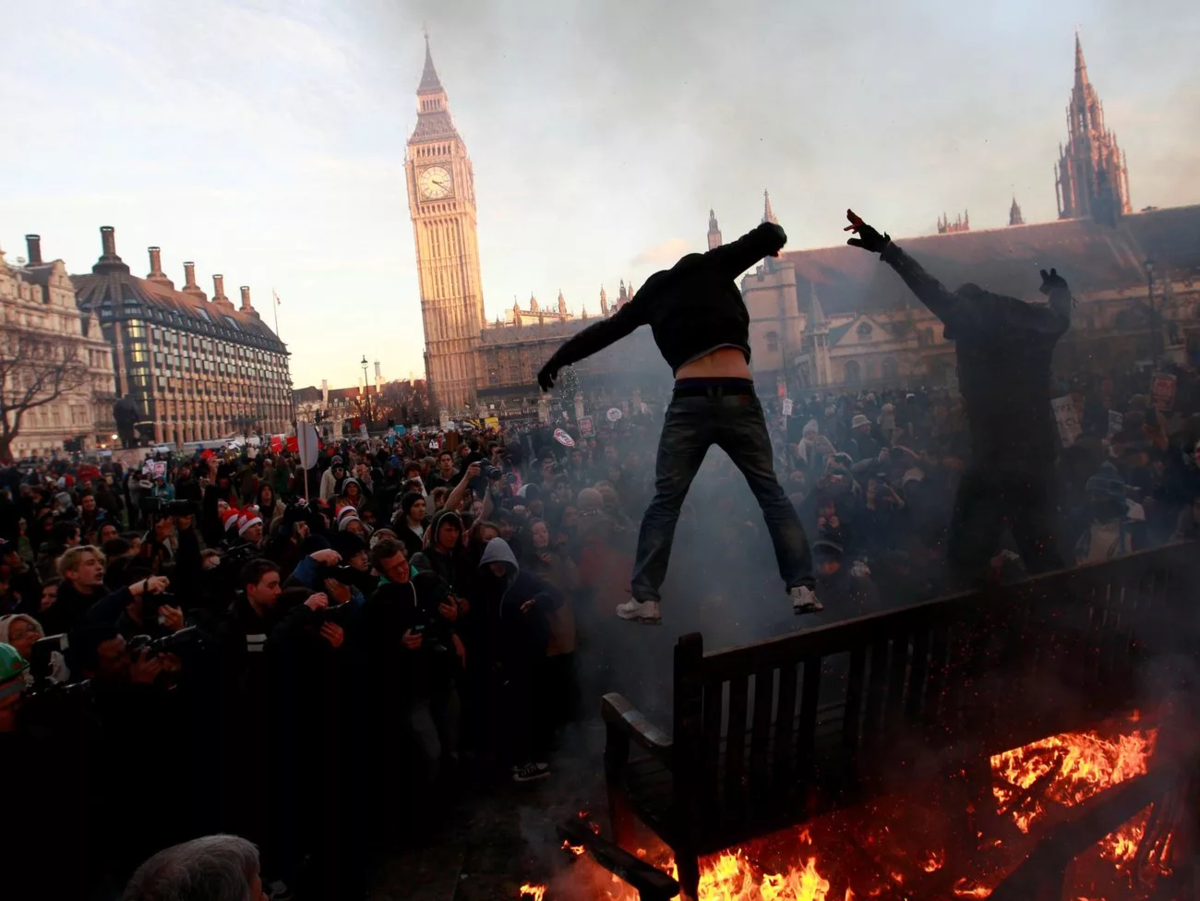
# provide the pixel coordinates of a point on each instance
(768, 213)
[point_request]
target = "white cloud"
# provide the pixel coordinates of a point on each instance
(663, 254)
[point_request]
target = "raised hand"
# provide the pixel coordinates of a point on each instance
(1052, 281)
(546, 377)
(867, 237)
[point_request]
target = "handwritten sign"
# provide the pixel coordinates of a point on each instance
(1162, 390)
(563, 438)
(1067, 417)
(613, 414)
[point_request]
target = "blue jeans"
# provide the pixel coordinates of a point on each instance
(734, 423)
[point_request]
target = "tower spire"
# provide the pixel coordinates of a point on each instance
(768, 213)
(430, 83)
(1081, 76)
(714, 231)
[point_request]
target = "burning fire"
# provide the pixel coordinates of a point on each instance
(574, 849)
(1067, 768)
(536, 892)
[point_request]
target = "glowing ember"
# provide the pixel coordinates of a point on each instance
(1067, 768)
(935, 862)
(574, 849)
(964, 888)
(536, 892)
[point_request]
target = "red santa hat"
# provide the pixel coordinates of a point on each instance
(246, 520)
(229, 518)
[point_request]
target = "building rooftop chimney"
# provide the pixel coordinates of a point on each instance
(246, 307)
(219, 287)
(189, 282)
(34, 245)
(156, 272)
(109, 261)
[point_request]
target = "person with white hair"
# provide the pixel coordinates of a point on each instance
(213, 868)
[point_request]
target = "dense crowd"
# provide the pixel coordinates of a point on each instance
(319, 661)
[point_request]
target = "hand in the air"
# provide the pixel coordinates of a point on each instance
(1052, 281)
(546, 377)
(778, 233)
(867, 237)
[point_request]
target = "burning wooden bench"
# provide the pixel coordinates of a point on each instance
(778, 732)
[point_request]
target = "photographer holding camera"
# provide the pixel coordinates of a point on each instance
(415, 661)
(311, 669)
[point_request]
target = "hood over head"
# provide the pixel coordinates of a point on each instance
(498, 551)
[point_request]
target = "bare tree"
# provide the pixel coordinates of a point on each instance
(36, 369)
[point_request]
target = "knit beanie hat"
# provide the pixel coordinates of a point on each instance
(406, 502)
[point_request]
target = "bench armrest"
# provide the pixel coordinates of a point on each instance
(623, 717)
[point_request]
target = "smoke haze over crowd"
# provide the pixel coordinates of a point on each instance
(267, 142)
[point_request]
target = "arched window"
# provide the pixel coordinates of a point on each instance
(871, 370)
(772, 341)
(853, 373)
(891, 369)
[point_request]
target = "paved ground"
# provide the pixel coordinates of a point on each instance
(499, 839)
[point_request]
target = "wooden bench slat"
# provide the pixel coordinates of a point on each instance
(711, 750)
(760, 736)
(735, 750)
(785, 714)
(876, 687)
(806, 728)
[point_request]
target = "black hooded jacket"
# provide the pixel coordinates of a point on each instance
(1004, 349)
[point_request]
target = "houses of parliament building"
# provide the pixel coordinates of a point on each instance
(827, 317)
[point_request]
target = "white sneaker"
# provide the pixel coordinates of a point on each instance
(804, 601)
(645, 612)
(530, 772)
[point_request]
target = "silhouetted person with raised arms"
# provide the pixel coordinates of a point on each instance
(701, 327)
(1004, 347)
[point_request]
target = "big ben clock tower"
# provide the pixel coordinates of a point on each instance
(441, 201)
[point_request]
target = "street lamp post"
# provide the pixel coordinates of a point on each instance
(1154, 329)
(366, 389)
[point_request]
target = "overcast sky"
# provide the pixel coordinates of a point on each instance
(265, 140)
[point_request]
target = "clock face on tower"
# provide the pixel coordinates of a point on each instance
(435, 183)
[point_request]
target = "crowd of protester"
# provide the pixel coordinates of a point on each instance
(321, 661)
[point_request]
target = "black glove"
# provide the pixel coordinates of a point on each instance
(777, 235)
(1052, 281)
(546, 376)
(867, 237)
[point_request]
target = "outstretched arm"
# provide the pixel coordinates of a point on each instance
(942, 303)
(595, 338)
(731, 260)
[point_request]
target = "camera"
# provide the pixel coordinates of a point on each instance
(151, 602)
(493, 473)
(334, 613)
(191, 637)
(40, 662)
(156, 505)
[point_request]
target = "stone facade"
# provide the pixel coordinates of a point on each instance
(1092, 178)
(441, 202)
(197, 369)
(37, 308)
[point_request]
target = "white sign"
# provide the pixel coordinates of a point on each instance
(1116, 422)
(362, 430)
(1067, 417)
(563, 438)
(787, 406)
(306, 442)
(613, 414)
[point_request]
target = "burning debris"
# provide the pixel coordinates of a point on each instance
(914, 847)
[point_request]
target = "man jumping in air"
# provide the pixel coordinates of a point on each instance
(701, 327)
(1004, 347)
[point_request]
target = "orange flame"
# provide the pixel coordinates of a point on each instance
(934, 862)
(536, 892)
(574, 849)
(1077, 764)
